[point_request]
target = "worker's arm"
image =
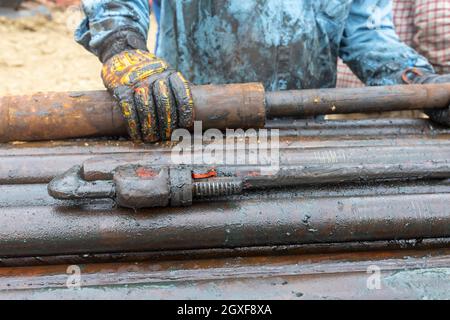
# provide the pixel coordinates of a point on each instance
(376, 55)
(123, 24)
(372, 48)
(154, 99)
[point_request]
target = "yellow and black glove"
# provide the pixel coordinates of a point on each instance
(154, 98)
(441, 116)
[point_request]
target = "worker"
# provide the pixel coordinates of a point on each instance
(423, 25)
(285, 44)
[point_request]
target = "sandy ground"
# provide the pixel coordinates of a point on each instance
(38, 54)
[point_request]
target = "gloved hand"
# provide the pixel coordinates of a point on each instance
(154, 98)
(441, 116)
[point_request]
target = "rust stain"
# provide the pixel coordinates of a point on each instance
(206, 175)
(144, 173)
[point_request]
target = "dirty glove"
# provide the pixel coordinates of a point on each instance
(441, 116)
(154, 98)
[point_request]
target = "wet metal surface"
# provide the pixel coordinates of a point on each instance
(304, 242)
(19, 195)
(303, 103)
(39, 162)
(34, 224)
(100, 227)
(300, 163)
(403, 275)
(219, 253)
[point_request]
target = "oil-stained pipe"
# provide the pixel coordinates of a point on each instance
(411, 274)
(309, 163)
(302, 103)
(100, 228)
(53, 115)
(37, 162)
(26, 195)
(265, 251)
(48, 116)
(295, 167)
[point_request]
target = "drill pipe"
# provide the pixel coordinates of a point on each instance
(304, 103)
(100, 228)
(312, 164)
(266, 251)
(37, 162)
(295, 166)
(48, 116)
(411, 274)
(36, 195)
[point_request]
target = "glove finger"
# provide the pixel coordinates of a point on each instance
(145, 107)
(184, 101)
(139, 73)
(130, 70)
(166, 109)
(124, 96)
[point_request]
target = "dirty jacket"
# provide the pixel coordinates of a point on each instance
(285, 44)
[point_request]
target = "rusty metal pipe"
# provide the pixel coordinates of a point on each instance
(101, 228)
(29, 195)
(107, 177)
(38, 162)
(304, 103)
(266, 251)
(310, 164)
(53, 115)
(47, 116)
(412, 274)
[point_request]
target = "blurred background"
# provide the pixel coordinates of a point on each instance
(37, 50)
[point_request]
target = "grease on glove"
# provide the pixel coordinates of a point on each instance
(154, 99)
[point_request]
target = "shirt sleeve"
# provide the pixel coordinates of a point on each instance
(371, 47)
(104, 17)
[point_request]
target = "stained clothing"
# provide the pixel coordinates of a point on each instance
(285, 44)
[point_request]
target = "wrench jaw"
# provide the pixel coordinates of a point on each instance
(71, 186)
(132, 186)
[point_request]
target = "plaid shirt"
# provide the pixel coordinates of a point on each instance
(423, 25)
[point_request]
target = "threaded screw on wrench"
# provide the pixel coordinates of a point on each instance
(217, 187)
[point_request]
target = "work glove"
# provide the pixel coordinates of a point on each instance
(154, 98)
(441, 116)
